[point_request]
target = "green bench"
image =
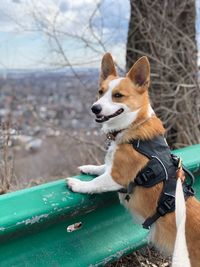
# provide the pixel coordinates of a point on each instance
(34, 224)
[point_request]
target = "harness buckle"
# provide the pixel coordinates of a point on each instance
(143, 177)
(166, 206)
(188, 190)
(175, 160)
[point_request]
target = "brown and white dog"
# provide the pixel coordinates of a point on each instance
(123, 106)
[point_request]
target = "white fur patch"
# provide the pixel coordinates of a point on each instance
(102, 183)
(120, 122)
(150, 111)
(114, 83)
(92, 169)
(108, 106)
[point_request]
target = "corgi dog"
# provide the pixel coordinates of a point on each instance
(123, 108)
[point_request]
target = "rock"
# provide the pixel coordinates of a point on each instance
(34, 145)
(28, 142)
(21, 140)
(51, 132)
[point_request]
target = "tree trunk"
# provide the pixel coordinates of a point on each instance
(165, 32)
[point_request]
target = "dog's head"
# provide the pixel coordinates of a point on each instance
(120, 100)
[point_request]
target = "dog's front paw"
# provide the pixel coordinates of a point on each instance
(86, 169)
(74, 184)
(92, 169)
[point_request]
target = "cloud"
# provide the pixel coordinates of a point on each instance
(79, 24)
(63, 6)
(72, 16)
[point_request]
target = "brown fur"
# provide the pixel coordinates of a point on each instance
(128, 162)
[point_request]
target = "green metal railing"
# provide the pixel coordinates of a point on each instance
(36, 224)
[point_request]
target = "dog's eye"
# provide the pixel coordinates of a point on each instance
(118, 95)
(100, 92)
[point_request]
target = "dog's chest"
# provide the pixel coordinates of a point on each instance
(110, 154)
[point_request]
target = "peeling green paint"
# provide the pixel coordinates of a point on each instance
(34, 219)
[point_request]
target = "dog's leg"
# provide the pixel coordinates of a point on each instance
(102, 183)
(92, 169)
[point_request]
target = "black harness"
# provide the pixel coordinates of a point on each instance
(162, 167)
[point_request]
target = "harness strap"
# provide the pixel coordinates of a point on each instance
(162, 167)
(129, 189)
(147, 177)
(166, 203)
(149, 221)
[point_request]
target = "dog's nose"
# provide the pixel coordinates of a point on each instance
(96, 109)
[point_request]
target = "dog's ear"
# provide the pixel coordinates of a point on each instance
(140, 73)
(107, 67)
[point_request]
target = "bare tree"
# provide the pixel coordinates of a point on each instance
(165, 32)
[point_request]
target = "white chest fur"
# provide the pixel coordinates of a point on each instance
(110, 155)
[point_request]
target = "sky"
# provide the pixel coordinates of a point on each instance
(26, 27)
(84, 32)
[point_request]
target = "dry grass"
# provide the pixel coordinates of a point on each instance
(6, 163)
(145, 257)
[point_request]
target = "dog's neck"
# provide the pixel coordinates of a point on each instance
(147, 130)
(146, 126)
(113, 134)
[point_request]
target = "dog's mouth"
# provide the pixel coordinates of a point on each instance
(102, 118)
